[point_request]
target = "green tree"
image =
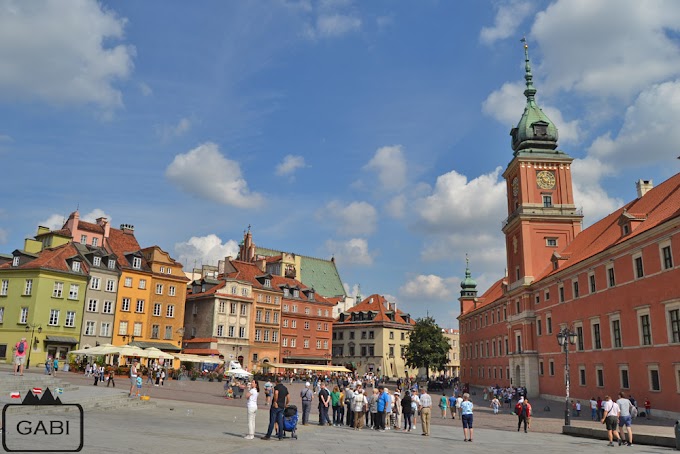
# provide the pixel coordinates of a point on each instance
(427, 346)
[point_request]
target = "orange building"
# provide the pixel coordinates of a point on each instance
(614, 285)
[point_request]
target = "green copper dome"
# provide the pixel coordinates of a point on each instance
(468, 283)
(534, 130)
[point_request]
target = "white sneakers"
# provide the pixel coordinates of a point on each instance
(249, 437)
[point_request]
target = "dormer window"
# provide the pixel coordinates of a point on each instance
(136, 263)
(267, 282)
(97, 261)
(15, 261)
(286, 293)
(296, 293)
(626, 229)
(75, 266)
(540, 130)
(112, 263)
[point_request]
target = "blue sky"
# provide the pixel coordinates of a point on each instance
(375, 132)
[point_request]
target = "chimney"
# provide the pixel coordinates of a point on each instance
(643, 186)
(104, 222)
(261, 264)
(128, 228)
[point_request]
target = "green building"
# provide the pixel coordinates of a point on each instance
(42, 298)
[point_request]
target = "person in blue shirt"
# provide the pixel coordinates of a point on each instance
(452, 405)
(382, 408)
(466, 415)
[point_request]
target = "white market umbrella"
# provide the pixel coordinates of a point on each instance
(155, 353)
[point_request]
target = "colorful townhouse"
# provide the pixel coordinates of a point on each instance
(612, 288)
(41, 298)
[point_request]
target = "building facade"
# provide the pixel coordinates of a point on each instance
(372, 337)
(452, 366)
(614, 284)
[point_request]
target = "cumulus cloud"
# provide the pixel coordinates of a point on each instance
(390, 166)
(331, 19)
(168, 132)
(650, 125)
(290, 164)
(589, 194)
(352, 290)
(609, 47)
(507, 104)
(63, 55)
(57, 221)
(355, 218)
(207, 173)
(396, 207)
(430, 287)
(207, 249)
(351, 252)
(329, 26)
(509, 16)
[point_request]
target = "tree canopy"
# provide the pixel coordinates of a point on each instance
(427, 347)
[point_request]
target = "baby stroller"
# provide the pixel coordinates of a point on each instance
(290, 420)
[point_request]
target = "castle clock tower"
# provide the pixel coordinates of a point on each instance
(542, 218)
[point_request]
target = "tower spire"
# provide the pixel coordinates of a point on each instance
(530, 91)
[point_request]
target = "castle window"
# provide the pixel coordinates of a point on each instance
(547, 201)
(551, 242)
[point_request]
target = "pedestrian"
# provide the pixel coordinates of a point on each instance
(280, 400)
(523, 411)
(495, 404)
(611, 419)
(383, 401)
(466, 416)
(459, 401)
(162, 376)
(425, 411)
(20, 350)
(625, 419)
(407, 409)
(251, 407)
(443, 404)
(452, 405)
(324, 404)
(55, 366)
(111, 381)
(133, 378)
(335, 405)
(593, 409)
(307, 395)
(139, 385)
(373, 404)
(397, 410)
(268, 391)
(48, 366)
(648, 408)
(578, 408)
(349, 397)
(359, 406)
(415, 405)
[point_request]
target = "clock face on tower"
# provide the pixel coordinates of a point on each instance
(545, 179)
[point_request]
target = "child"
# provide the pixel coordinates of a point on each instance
(55, 366)
(139, 385)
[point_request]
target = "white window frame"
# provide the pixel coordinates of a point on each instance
(616, 317)
(122, 328)
(640, 311)
(599, 368)
(595, 321)
(92, 305)
(90, 328)
(159, 289)
(592, 282)
(105, 329)
(670, 306)
(293, 342)
(75, 267)
(128, 282)
(107, 307)
(142, 284)
(170, 311)
(662, 245)
(125, 304)
(73, 291)
(97, 261)
(551, 242)
(623, 367)
(110, 285)
(139, 306)
(650, 368)
(58, 290)
(137, 329)
(23, 316)
(609, 274)
(634, 259)
(54, 317)
(15, 260)
(70, 320)
(220, 330)
(157, 309)
(4, 287)
(95, 283)
(136, 263)
(242, 332)
(172, 290)
(112, 264)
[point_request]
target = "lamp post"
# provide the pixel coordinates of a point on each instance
(31, 328)
(565, 337)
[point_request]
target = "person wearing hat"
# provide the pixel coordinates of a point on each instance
(397, 410)
(307, 395)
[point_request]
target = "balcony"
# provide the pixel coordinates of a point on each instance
(554, 210)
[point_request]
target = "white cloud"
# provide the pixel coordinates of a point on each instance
(331, 19)
(3, 236)
(334, 25)
(508, 17)
(54, 222)
(206, 173)
(168, 132)
(351, 252)
(290, 164)
(507, 104)
(145, 89)
(95, 214)
(396, 207)
(430, 287)
(356, 218)
(390, 165)
(608, 47)
(63, 55)
(457, 203)
(352, 290)
(650, 124)
(207, 249)
(588, 192)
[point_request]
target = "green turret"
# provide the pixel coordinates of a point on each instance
(469, 285)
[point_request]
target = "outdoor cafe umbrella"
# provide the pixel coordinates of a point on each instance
(155, 353)
(105, 349)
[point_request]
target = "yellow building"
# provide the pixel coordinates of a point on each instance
(452, 367)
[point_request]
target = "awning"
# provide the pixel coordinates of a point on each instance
(61, 340)
(308, 367)
(159, 345)
(198, 359)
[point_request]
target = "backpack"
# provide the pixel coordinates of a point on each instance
(21, 348)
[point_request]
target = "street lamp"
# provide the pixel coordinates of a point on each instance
(565, 337)
(31, 328)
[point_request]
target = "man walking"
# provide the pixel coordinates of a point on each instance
(307, 395)
(425, 411)
(349, 395)
(611, 419)
(382, 409)
(133, 378)
(279, 402)
(625, 419)
(523, 410)
(20, 356)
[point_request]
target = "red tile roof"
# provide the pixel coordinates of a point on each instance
(378, 303)
(201, 340)
(52, 259)
(491, 295)
(123, 243)
(90, 227)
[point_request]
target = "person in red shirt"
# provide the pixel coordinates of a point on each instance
(648, 408)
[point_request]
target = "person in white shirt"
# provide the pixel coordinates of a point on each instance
(359, 406)
(251, 407)
(611, 419)
(415, 405)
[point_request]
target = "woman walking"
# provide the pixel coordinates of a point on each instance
(251, 407)
(335, 403)
(407, 410)
(466, 415)
(443, 403)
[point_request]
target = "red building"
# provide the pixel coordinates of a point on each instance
(614, 284)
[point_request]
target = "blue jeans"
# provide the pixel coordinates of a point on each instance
(275, 416)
